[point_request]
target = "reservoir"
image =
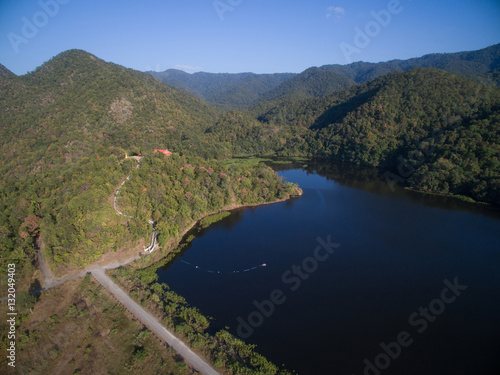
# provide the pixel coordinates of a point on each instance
(352, 278)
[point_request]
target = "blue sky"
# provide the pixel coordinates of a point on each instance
(242, 35)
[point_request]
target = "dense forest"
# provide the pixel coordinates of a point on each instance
(427, 129)
(481, 66)
(66, 128)
(75, 102)
(68, 212)
(175, 191)
(312, 83)
(245, 90)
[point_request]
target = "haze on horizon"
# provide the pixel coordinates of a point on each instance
(234, 36)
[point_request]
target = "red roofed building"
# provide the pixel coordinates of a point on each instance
(166, 152)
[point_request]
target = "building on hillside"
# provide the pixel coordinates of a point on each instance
(166, 152)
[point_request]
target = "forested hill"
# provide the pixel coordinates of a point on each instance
(431, 129)
(482, 65)
(76, 106)
(64, 131)
(76, 102)
(5, 73)
(227, 91)
(312, 83)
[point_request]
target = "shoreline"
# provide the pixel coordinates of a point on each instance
(144, 260)
(462, 198)
(173, 247)
(382, 170)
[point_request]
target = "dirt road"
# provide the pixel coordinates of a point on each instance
(50, 281)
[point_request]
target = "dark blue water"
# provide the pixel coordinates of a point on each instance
(358, 279)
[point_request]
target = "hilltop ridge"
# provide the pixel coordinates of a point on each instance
(244, 90)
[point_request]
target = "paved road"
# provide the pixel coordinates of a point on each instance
(198, 363)
(153, 324)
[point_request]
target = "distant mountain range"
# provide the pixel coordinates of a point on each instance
(482, 65)
(244, 90)
(312, 83)
(224, 90)
(76, 105)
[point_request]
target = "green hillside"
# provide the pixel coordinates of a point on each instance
(76, 102)
(66, 127)
(5, 73)
(312, 83)
(481, 65)
(432, 130)
(64, 131)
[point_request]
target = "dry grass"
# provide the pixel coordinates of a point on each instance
(78, 328)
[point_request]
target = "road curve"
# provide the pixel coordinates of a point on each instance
(153, 324)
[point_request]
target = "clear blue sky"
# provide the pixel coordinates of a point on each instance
(261, 36)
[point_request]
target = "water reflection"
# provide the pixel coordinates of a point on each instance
(372, 180)
(396, 251)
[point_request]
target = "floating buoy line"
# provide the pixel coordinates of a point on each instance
(222, 272)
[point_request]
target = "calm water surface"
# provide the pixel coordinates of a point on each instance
(399, 273)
